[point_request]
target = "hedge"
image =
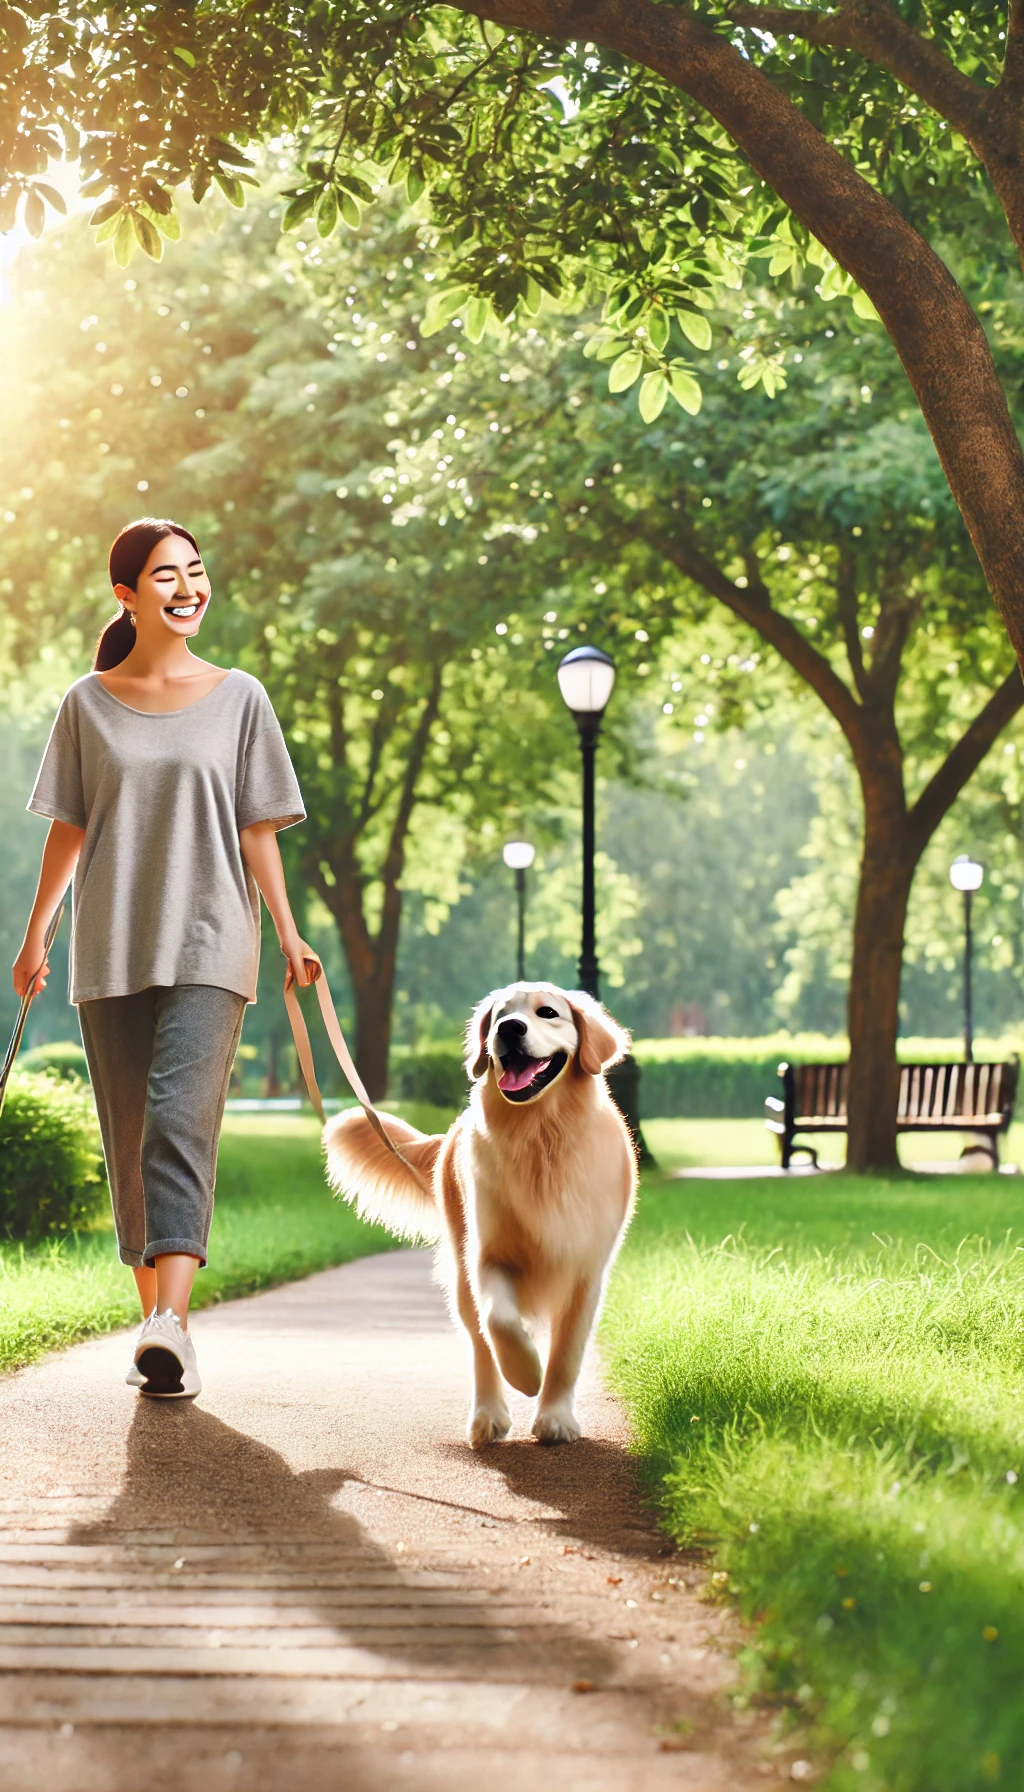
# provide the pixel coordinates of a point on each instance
(687, 1078)
(51, 1167)
(63, 1058)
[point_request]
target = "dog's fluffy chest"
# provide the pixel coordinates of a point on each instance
(532, 1202)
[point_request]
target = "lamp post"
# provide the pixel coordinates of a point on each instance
(967, 876)
(586, 679)
(518, 856)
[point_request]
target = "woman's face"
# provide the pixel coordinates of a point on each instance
(173, 590)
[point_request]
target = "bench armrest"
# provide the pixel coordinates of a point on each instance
(773, 1102)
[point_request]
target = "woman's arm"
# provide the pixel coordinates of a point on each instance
(263, 857)
(60, 856)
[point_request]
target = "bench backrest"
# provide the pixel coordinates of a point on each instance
(927, 1091)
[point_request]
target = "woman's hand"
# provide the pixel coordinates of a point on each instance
(31, 967)
(304, 965)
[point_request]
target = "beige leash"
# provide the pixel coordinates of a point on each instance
(303, 1049)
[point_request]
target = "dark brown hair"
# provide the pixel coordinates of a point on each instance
(128, 556)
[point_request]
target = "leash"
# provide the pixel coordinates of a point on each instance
(300, 1035)
(26, 1003)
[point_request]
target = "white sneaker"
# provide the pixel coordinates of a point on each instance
(165, 1358)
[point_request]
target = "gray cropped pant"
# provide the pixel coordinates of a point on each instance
(160, 1061)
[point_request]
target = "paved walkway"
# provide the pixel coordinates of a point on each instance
(306, 1581)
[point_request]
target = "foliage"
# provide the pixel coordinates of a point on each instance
(274, 1220)
(431, 1073)
(51, 1168)
(62, 1059)
(825, 1381)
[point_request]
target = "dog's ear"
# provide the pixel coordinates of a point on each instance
(476, 1056)
(602, 1042)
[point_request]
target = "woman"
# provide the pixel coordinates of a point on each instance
(165, 780)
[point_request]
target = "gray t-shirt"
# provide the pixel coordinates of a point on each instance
(162, 894)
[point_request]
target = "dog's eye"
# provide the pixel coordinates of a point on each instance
(547, 1014)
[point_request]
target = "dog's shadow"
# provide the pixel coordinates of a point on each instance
(592, 1490)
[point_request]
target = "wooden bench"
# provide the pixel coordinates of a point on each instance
(975, 1098)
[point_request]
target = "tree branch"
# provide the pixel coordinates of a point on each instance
(1012, 83)
(753, 606)
(876, 31)
(963, 760)
(846, 605)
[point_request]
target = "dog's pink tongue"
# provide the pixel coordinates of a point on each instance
(521, 1079)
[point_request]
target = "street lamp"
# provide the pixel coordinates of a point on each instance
(586, 679)
(518, 856)
(967, 876)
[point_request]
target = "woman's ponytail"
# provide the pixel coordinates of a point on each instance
(115, 643)
(128, 556)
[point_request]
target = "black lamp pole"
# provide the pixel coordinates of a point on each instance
(589, 727)
(968, 944)
(521, 944)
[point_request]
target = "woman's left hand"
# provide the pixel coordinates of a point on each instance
(304, 965)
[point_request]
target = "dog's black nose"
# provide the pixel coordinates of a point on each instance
(512, 1030)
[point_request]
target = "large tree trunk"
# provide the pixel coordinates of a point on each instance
(887, 872)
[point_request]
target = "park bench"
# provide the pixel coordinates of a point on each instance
(976, 1098)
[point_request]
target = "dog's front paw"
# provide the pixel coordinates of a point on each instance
(488, 1425)
(556, 1425)
(517, 1356)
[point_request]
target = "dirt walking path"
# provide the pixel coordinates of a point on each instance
(306, 1582)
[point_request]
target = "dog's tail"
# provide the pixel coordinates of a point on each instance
(376, 1183)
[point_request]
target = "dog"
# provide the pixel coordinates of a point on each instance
(531, 1190)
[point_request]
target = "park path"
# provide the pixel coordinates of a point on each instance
(306, 1580)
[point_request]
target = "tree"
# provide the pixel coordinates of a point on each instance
(568, 147)
(823, 526)
(317, 469)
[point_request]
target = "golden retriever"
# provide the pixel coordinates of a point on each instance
(531, 1189)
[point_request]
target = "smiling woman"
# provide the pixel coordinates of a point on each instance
(167, 821)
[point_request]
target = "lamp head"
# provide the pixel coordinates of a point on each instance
(965, 874)
(586, 679)
(518, 855)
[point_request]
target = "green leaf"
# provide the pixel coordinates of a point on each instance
(653, 393)
(863, 307)
(532, 296)
(414, 184)
(168, 225)
(625, 370)
(299, 209)
(157, 196)
(441, 308)
(110, 225)
(658, 328)
(124, 240)
(186, 56)
(477, 312)
(327, 213)
(685, 390)
(52, 197)
(148, 236)
(231, 188)
(350, 211)
(695, 328)
(200, 183)
(109, 209)
(35, 213)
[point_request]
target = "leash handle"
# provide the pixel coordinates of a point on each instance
(26, 1003)
(300, 1035)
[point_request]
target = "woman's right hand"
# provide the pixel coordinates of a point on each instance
(31, 967)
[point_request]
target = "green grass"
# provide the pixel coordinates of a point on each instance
(826, 1378)
(275, 1219)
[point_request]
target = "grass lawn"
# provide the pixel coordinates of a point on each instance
(826, 1377)
(275, 1219)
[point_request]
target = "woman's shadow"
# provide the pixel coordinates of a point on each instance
(204, 1509)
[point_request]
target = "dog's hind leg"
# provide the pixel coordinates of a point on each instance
(556, 1421)
(489, 1416)
(513, 1346)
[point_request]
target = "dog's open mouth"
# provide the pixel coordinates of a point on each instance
(521, 1078)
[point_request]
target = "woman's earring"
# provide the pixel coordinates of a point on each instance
(132, 618)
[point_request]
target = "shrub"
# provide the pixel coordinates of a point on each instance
(431, 1073)
(62, 1058)
(51, 1167)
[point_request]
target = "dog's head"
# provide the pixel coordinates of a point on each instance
(531, 1033)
